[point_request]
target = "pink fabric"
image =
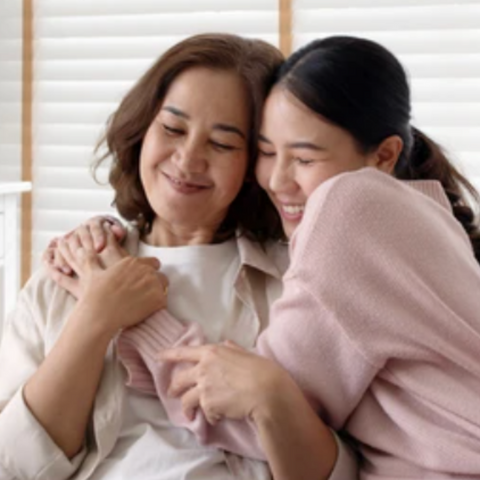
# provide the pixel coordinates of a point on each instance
(379, 324)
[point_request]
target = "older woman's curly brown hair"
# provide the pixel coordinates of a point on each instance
(256, 62)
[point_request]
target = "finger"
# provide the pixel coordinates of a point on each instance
(190, 402)
(150, 261)
(182, 381)
(118, 229)
(112, 253)
(53, 243)
(212, 417)
(180, 354)
(58, 262)
(59, 259)
(79, 260)
(73, 242)
(233, 345)
(119, 232)
(84, 237)
(98, 233)
(70, 284)
(77, 253)
(48, 255)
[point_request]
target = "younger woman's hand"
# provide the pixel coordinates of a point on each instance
(64, 253)
(226, 381)
(92, 235)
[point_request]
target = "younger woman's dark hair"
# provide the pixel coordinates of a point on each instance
(360, 86)
(256, 64)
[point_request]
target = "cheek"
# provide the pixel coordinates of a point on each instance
(310, 179)
(155, 148)
(230, 179)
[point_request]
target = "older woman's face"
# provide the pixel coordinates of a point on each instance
(194, 156)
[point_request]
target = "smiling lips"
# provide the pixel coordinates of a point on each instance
(292, 212)
(185, 187)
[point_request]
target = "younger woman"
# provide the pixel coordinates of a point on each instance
(379, 320)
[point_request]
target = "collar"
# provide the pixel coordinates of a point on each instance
(432, 189)
(271, 259)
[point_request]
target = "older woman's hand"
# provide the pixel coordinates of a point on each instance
(226, 381)
(120, 296)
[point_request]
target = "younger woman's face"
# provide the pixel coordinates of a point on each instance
(298, 150)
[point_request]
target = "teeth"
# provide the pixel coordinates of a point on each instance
(293, 209)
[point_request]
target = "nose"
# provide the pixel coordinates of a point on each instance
(282, 178)
(190, 157)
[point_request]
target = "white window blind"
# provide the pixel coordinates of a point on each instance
(87, 55)
(438, 41)
(10, 89)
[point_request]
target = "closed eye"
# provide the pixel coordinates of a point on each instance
(266, 154)
(303, 161)
(172, 130)
(223, 146)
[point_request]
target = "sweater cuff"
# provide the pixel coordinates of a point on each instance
(139, 346)
(346, 466)
(39, 458)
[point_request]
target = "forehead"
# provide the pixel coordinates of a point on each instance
(287, 119)
(212, 92)
(282, 107)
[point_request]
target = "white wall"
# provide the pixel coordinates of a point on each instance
(10, 96)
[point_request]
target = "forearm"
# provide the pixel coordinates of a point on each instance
(296, 442)
(62, 391)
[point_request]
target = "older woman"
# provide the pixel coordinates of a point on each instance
(183, 146)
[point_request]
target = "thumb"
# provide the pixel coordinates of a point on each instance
(151, 262)
(233, 345)
(119, 231)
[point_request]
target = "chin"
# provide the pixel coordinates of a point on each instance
(289, 230)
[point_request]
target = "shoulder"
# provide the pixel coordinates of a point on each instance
(42, 302)
(366, 200)
(359, 190)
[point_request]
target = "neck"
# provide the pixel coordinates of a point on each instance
(164, 234)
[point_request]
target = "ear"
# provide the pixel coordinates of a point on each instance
(386, 155)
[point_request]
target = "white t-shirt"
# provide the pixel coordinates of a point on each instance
(149, 446)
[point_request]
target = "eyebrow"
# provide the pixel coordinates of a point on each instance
(306, 145)
(176, 112)
(224, 127)
(229, 128)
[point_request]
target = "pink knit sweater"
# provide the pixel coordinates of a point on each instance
(379, 324)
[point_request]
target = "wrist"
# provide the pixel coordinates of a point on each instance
(279, 398)
(87, 322)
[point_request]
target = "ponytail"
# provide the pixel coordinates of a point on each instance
(427, 161)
